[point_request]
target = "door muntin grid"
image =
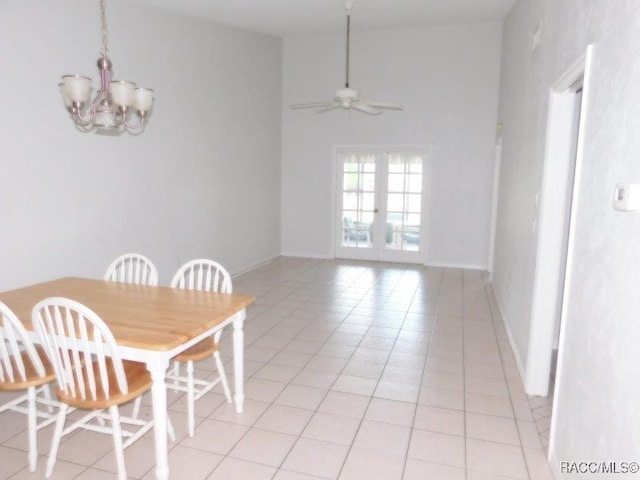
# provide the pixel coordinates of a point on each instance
(404, 202)
(358, 199)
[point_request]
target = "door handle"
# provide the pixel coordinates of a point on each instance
(375, 210)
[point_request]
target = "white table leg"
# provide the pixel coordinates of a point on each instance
(158, 369)
(238, 359)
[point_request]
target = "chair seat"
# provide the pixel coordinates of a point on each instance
(138, 379)
(32, 377)
(200, 350)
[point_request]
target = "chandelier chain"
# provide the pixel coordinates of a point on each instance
(104, 51)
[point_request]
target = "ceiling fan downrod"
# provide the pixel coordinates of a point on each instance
(349, 5)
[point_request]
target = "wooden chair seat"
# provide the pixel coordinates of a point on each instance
(199, 351)
(32, 377)
(138, 379)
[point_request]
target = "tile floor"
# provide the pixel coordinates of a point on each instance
(541, 408)
(354, 370)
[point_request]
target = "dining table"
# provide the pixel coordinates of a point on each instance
(151, 324)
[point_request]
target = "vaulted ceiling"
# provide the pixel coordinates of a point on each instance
(309, 17)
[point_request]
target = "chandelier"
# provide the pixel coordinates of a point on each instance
(110, 110)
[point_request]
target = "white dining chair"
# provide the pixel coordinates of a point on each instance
(132, 268)
(202, 275)
(91, 376)
(137, 269)
(24, 366)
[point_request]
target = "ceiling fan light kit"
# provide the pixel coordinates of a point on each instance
(347, 97)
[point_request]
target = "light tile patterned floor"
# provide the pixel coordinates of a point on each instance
(354, 370)
(541, 408)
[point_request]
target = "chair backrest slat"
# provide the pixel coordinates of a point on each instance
(87, 360)
(63, 350)
(75, 361)
(75, 337)
(14, 340)
(6, 369)
(204, 275)
(132, 268)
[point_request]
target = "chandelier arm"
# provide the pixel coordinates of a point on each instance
(137, 125)
(84, 122)
(119, 118)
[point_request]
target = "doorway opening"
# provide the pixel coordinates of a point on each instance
(575, 90)
(558, 204)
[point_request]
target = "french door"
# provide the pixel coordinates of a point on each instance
(380, 204)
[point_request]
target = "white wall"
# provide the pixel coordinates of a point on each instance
(597, 414)
(202, 180)
(447, 79)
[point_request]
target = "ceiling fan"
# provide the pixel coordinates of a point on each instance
(347, 97)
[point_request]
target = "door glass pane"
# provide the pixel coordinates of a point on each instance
(349, 201)
(394, 224)
(368, 202)
(414, 203)
(415, 163)
(396, 164)
(411, 238)
(415, 183)
(368, 182)
(404, 202)
(350, 182)
(358, 200)
(367, 218)
(395, 202)
(350, 166)
(412, 219)
(396, 182)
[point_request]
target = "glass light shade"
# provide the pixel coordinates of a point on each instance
(65, 99)
(76, 88)
(143, 99)
(105, 117)
(122, 93)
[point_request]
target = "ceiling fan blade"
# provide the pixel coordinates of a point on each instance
(329, 107)
(366, 109)
(312, 105)
(387, 105)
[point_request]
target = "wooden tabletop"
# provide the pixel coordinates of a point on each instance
(153, 318)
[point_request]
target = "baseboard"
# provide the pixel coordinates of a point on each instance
(253, 265)
(307, 255)
(430, 264)
(464, 266)
(514, 346)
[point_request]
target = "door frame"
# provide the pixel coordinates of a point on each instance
(497, 165)
(551, 223)
(426, 197)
